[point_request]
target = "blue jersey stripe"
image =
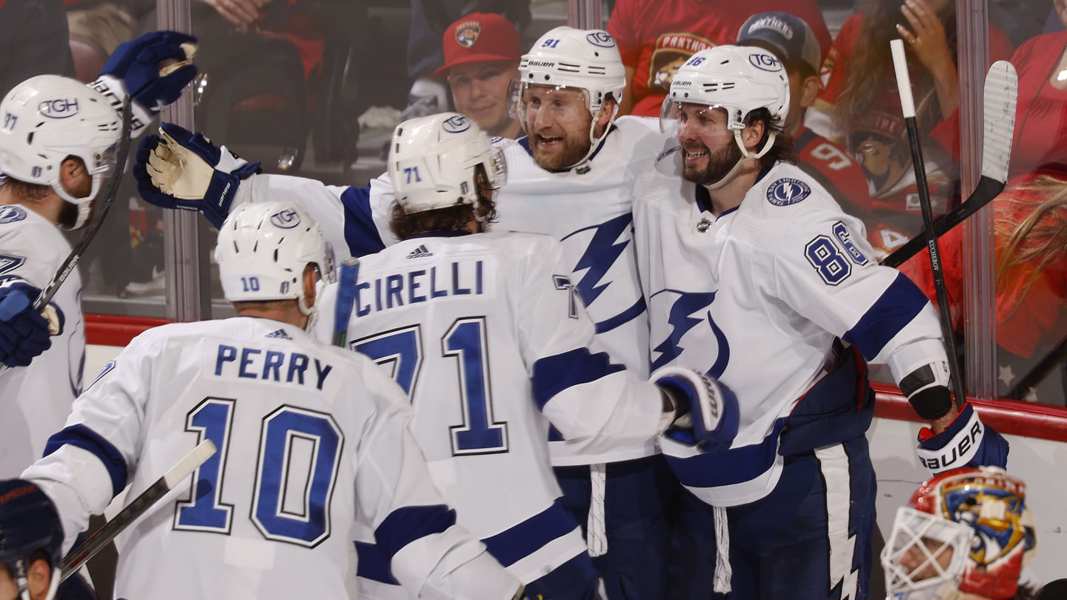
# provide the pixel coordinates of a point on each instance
(896, 307)
(361, 234)
(517, 542)
(82, 437)
(734, 466)
(373, 564)
(622, 318)
(409, 523)
(554, 374)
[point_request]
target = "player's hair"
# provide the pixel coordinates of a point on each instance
(783, 144)
(453, 218)
(871, 66)
(25, 191)
(1039, 239)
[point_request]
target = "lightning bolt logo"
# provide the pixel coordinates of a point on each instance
(834, 465)
(599, 255)
(681, 321)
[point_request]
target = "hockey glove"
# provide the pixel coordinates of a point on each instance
(23, 331)
(706, 411)
(153, 68)
(181, 169)
(967, 442)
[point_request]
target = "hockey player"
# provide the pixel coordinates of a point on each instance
(571, 178)
(509, 292)
(57, 147)
(755, 276)
(329, 431)
(964, 535)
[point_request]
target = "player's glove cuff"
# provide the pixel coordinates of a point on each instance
(24, 333)
(181, 169)
(966, 442)
(706, 411)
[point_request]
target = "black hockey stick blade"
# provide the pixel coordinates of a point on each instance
(346, 298)
(98, 539)
(999, 100)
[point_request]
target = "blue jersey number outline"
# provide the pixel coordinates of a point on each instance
(400, 351)
(204, 510)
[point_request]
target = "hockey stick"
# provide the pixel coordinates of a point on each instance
(101, 537)
(907, 105)
(999, 98)
(346, 298)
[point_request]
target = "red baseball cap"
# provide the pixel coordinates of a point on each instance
(477, 38)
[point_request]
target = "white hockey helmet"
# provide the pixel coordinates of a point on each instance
(262, 251)
(48, 118)
(738, 79)
(433, 160)
(584, 59)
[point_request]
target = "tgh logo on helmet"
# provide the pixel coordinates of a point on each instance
(285, 219)
(764, 61)
(58, 108)
(456, 124)
(602, 39)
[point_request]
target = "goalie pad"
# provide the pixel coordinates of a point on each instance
(706, 412)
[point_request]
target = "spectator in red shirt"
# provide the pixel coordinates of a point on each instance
(656, 36)
(794, 43)
(482, 54)
(1041, 117)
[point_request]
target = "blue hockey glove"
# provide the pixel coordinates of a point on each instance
(967, 442)
(153, 68)
(706, 411)
(23, 331)
(181, 169)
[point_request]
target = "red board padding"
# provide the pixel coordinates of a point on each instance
(114, 330)
(1006, 416)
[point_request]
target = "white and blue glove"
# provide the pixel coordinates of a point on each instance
(153, 69)
(24, 333)
(706, 412)
(967, 442)
(181, 169)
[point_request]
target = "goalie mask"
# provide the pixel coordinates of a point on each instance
(965, 531)
(29, 527)
(434, 162)
(47, 119)
(587, 60)
(263, 249)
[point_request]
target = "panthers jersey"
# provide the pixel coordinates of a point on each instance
(310, 439)
(489, 338)
(587, 209)
(38, 397)
(756, 297)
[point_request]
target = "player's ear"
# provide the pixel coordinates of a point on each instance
(809, 90)
(752, 134)
(310, 279)
(39, 578)
(73, 177)
(607, 110)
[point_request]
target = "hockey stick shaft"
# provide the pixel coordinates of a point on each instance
(98, 539)
(908, 106)
(346, 299)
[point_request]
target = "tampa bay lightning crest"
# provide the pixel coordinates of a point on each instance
(11, 214)
(604, 259)
(787, 191)
(689, 326)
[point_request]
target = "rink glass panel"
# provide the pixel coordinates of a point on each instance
(291, 110)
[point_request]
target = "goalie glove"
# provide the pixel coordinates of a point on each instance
(181, 169)
(153, 68)
(705, 410)
(967, 442)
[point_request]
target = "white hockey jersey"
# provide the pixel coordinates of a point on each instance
(756, 298)
(588, 210)
(488, 337)
(311, 440)
(37, 398)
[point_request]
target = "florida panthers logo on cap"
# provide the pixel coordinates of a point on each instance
(601, 39)
(467, 33)
(787, 191)
(285, 219)
(765, 62)
(456, 124)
